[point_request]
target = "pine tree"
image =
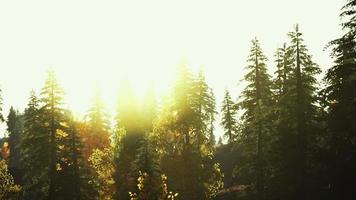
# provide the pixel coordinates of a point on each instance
(297, 131)
(53, 118)
(15, 128)
(98, 127)
(147, 162)
(182, 132)
(229, 121)
(73, 177)
(204, 106)
(283, 64)
(256, 102)
(128, 134)
(34, 152)
(303, 96)
(149, 110)
(341, 109)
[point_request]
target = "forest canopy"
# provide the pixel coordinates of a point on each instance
(288, 135)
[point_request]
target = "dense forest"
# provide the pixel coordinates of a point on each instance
(289, 135)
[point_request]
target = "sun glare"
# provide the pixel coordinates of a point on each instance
(106, 81)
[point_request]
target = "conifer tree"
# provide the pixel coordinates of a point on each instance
(53, 118)
(303, 97)
(34, 152)
(341, 108)
(229, 121)
(256, 102)
(147, 162)
(15, 128)
(128, 134)
(182, 133)
(149, 110)
(98, 127)
(283, 64)
(73, 177)
(204, 108)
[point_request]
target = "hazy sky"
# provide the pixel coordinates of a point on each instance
(98, 44)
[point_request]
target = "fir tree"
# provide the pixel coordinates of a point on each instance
(149, 110)
(204, 107)
(15, 128)
(98, 127)
(34, 152)
(256, 102)
(128, 134)
(182, 133)
(341, 109)
(53, 119)
(229, 121)
(147, 162)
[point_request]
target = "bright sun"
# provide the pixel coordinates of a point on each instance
(81, 87)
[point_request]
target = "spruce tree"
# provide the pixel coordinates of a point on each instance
(34, 152)
(255, 103)
(303, 97)
(15, 128)
(73, 177)
(341, 109)
(182, 132)
(147, 162)
(98, 127)
(128, 134)
(203, 104)
(229, 121)
(53, 119)
(149, 110)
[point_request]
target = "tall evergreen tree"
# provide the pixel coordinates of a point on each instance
(229, 121)
(73, 176)
(149, 110)
(256, 102)
(34, 152)
(203, 103)
(182, 131)
(97, 134)
(128, 134)
(283, 64)
(15, 128)
(303, 94)
(53, 118)
(341, 109)
(147, 161)
(296, 123)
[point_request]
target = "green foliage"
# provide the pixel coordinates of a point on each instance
(255, 132)
(8, 190)
(229, 121)
(143, 181)
(15, 129)
(101, 161)
(34, 152)
(340, 103)
(182, 134)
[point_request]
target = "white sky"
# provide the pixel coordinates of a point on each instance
(98, 44)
